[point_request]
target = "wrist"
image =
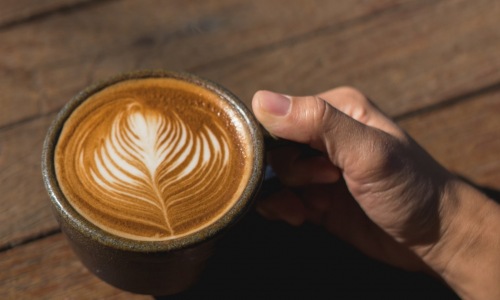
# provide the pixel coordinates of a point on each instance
(467, 252)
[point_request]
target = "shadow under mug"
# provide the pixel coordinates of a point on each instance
(148, 267)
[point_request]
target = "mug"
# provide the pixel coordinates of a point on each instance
(148, 267)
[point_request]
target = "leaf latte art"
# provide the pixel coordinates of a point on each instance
(144, 158)
(150, 160)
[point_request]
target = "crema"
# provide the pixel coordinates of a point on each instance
(153, 159)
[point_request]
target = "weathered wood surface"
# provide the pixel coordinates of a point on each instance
(49, 270)
(464, 137)
(366, 52)
(13, 12)
(432, 64)
(405, 58)
(25, 205)
(44, 63)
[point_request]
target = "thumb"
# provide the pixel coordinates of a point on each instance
(314, 121)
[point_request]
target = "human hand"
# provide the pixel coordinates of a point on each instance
(374, 186)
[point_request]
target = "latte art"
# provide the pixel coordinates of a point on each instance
(150, 160)
(145, 156)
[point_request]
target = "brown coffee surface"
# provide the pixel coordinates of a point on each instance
(153, 159)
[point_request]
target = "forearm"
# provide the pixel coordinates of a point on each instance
(467, 255)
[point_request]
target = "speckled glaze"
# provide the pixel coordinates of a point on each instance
(156, 267)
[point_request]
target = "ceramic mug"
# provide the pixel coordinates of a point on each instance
(148, 267)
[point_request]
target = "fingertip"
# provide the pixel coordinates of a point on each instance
(258, 98)
(284, 206)
(327, 174)
(256, 101)
(264, 212)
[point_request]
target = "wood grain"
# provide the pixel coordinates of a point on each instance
(407, 58)
(46, 62)
(25, 204)
(20, 146)
(43, 63)
(464, 137)
(48, 269)
(432, 64)
(16, 11)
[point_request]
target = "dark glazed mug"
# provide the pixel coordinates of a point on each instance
(148, 267)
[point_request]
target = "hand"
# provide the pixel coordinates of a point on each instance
(373, 187)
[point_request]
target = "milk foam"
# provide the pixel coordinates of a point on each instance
(149, 140)
(150, 166)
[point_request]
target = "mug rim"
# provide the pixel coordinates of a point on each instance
(66, 213)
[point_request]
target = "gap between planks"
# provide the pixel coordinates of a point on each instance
(46, 14)
(325, 30)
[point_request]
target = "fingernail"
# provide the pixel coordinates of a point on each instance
(275, 104)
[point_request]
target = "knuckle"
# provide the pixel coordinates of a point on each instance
(352, 94)
(358, 106)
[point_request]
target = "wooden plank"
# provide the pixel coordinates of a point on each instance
(48, 269)
(25, 204)
(14, 11)
(464, 137)
(44, 63)
(407, 58)
(20, 182)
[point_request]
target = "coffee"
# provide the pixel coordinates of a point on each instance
(153, 159)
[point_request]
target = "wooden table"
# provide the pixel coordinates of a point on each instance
(433, 65)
